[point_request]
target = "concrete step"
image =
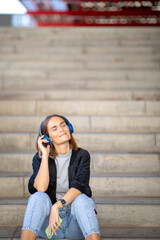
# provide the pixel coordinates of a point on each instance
(85, 107)
(111, 33)
(53, 40)
(108, 184)
(80, 84)
(82, 57)
(123, 65)
(100, 162)
(18, 74)
(76, 49)
(103, 124)
(13, 233)
(112, 212)
(59, 43)
(109, 142)
(80, 94)
(124, 163)
(116, 65)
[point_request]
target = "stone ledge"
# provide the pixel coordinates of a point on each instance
(114, 142)
(126, 185)
(79, 94)
(78, 74)
(100, 162)
(110, 57)
(85, 107)
(141, 124)
(73, 64)
(102, 83)
(101, 200)
(106, 233)
(118, 212)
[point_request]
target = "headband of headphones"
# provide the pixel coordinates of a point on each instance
(70, 126)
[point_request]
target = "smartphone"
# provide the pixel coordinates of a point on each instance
(47, 229)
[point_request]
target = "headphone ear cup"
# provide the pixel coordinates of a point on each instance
(70, 128)
(69, 125)
(48, 139)
(45, 136)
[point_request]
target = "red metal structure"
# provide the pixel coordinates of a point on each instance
(93, 13)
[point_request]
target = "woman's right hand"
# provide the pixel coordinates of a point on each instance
(44, 149)
(54, 219)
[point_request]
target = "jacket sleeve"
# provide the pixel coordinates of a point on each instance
(35, 165)
(81, 180)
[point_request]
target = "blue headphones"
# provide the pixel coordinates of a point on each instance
(70, 126)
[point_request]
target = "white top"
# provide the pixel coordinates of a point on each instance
(62, 164)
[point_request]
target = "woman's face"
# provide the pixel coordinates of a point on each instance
(58, 130)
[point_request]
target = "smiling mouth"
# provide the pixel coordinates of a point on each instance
(63, 134)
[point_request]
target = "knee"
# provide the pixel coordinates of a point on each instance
(82, 202)
(40, 199)
(39, 196)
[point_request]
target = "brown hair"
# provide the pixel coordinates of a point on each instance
(44, 130)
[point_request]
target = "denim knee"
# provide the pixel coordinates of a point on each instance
(42, 200)
(39, 196)
(81, 201)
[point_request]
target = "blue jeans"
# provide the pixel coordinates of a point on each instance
(79, 219)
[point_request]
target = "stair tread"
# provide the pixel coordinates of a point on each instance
(93, 174)
(107, 233)
(98, 200)
(114, 163)
(91, 151)
(86, 107)
(116, 142)
(146, 94)
(110, 124)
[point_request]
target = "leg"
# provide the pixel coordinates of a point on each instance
(37, 210)
(27, 234)
(83, 212)
(72, 229)
(93, 236)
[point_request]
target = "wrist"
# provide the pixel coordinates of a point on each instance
(62, 202)
(45, 155)
(58, 205)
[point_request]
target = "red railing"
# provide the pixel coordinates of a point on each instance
(97, 13)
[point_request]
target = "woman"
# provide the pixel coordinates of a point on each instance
(60, 186)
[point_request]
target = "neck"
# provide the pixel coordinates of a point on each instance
(63, 148)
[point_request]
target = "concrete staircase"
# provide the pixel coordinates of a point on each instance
(107, 82)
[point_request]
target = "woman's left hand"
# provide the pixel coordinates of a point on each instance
(54, 219)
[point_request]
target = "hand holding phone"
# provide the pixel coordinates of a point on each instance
(47, 229)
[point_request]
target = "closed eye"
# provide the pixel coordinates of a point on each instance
(63, 124)
(54, 129)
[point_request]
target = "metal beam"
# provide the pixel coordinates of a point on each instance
(98, 13)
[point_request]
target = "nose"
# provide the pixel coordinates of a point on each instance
(60, 129)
